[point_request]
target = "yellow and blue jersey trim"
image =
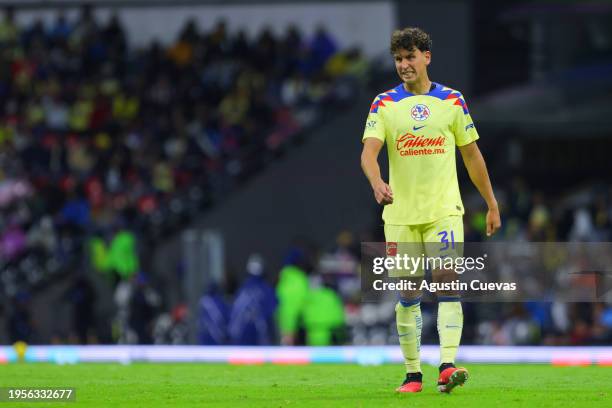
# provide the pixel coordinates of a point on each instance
(399, 93)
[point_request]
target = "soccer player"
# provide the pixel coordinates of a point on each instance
(421, 122)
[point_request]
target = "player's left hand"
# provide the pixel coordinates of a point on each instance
(493, 221)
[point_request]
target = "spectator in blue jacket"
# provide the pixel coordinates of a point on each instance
(252, 315)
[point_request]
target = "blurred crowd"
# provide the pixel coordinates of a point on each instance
(317, 299)
(583, 214)
(105, 148)
(580, 214)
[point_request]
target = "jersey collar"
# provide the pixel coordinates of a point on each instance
(402, 91)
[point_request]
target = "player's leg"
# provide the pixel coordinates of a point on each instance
(409, 325)
(450, 326)
(408, 309)
(444, 238)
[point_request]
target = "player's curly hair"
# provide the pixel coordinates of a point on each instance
(408, 38)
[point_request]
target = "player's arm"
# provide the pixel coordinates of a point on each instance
(477, 169)
(369, 164)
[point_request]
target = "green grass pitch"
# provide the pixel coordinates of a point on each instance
(194, 385)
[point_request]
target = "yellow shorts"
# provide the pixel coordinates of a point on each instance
(438, 239)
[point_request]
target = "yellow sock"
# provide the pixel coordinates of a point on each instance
(409, 325)
(450, 325)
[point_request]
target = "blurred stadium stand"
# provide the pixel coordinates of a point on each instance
(177, 129)
(101, 139)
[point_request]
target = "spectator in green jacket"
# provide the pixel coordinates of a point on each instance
(121, 256)
(291, 290)
(323, 316)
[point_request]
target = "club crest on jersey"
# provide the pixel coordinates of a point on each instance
(419, 112)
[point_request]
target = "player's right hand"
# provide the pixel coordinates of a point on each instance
(383, 193)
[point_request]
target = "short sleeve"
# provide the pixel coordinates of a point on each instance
(465, 131)
(374, 126)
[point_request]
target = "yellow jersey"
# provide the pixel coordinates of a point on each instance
(421, 132)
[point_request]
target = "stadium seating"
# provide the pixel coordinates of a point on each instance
(98, 137)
